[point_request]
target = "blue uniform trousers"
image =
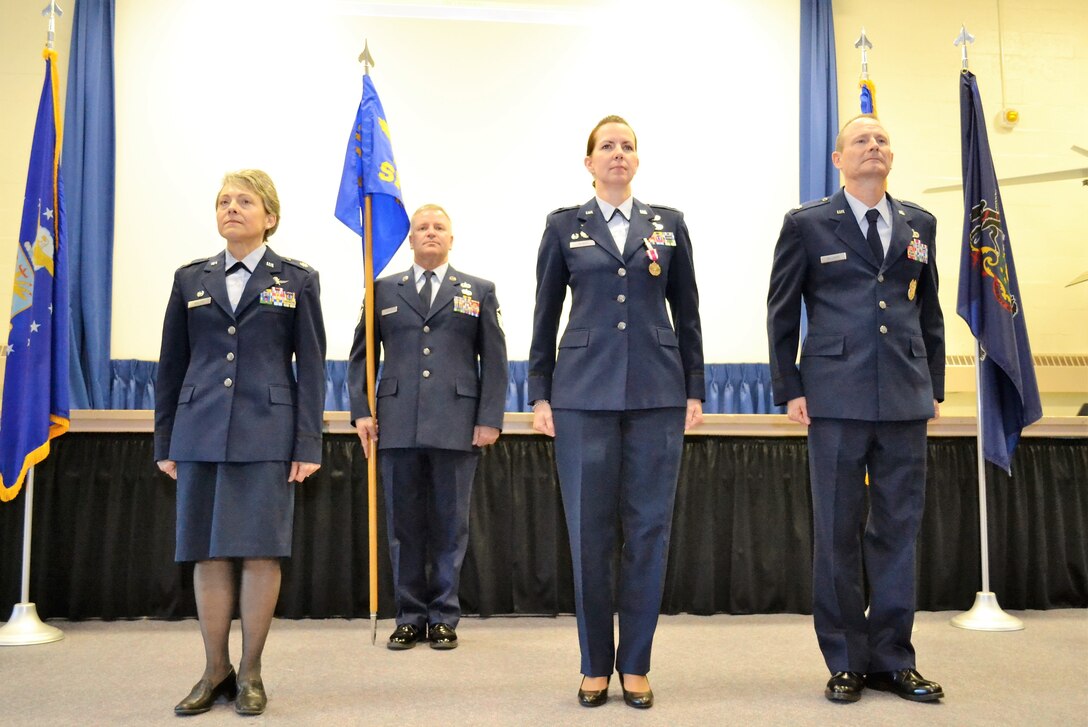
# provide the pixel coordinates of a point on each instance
(427, 494)
(895, 454)
(618, 465)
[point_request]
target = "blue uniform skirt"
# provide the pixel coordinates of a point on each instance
(234, 510)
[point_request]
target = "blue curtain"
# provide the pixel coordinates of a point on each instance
(88, 164)
(819, 100)
(730, 388)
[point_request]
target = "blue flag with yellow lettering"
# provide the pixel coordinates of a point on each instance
(35, 408)
(369, 169)
(989, 295)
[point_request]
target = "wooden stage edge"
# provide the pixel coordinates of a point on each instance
(515, 423)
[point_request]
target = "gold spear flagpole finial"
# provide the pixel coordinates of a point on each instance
(962, 40)
(366, 59)
(51, 11)
(865, 45)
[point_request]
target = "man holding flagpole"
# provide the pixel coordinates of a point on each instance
(440, 400)
(871, 374)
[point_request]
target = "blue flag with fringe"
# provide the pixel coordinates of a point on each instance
(35, 404)
(989, 295)
(370, 169)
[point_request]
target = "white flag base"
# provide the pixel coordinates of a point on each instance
(26, 628)
(986, 615)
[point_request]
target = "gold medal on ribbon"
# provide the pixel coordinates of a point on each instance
(655, 269)
(912, 288)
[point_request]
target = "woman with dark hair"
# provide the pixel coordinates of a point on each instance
(626, 384)
(238, 428)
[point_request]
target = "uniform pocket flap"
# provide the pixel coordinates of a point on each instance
(186, 394)
(918, 346)
(280, 394)
(387, 386)
(824, 346)
(578, 338)
(468, 387)
(667, 337)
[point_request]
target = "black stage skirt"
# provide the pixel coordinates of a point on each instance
(234, 510)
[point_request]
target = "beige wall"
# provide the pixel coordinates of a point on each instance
(489, 118)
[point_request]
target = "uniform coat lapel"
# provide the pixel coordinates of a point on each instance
(269, 266)
(447, 288)
(406, 288)
(902, 233)
(848, 230)
(594, 224)
(641, 228)
(214, 281)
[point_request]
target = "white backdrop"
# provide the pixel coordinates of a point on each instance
(489, 110)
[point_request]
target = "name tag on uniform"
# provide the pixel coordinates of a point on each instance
(833, 258)
(199, 302)
(389, 311)
(582, 243)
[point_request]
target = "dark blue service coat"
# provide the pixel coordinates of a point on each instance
(225, 389)
(620, 350)
(875, 344)
(444, 370)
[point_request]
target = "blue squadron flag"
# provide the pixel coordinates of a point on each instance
(35, 404)
(867, 96)
(989, 296)
(369, 169)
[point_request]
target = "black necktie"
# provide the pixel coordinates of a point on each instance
(873, 238)
(425, 291)
(236, 267)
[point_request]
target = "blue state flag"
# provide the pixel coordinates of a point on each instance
(989, 296)
(35, 404)
(370, 169)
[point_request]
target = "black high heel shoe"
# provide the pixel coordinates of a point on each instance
(592, 697)
(638, 700)
(204, 694)
(251, 697)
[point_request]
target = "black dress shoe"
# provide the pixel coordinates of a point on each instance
(204, 694)
(906, 683)
(251, 698)
(844, 686)
(592, 697)
(638, 700)
(405, 637)
(442, 636)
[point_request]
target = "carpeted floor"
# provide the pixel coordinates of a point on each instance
(743, 670)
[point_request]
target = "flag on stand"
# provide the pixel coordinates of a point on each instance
(35, 404)
(989, 296)
(868, 96)
(369, 169)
